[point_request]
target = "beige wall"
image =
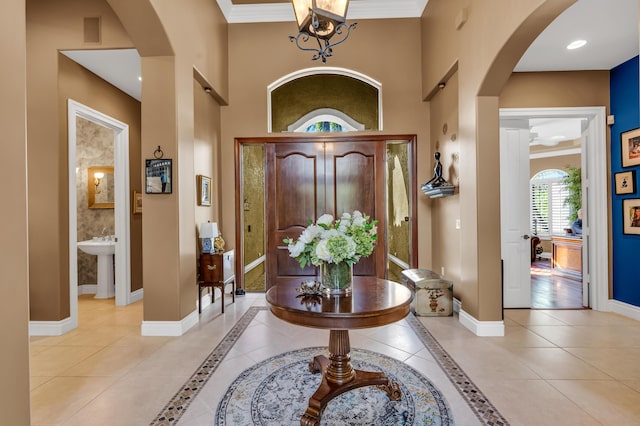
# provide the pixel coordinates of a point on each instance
(394, 61)
(445, 211)
(484, 51)
(52, 26)
(14, 303)
(77, 83)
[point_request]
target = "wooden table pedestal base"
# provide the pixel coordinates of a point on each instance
(338, 376)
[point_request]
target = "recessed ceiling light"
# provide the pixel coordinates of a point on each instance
(576, 44)
(139, 78)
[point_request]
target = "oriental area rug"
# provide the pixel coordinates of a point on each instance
(276, 391)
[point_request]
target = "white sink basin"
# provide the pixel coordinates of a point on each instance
(97, 247)
(104, 249)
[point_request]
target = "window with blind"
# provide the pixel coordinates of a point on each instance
(549, 213)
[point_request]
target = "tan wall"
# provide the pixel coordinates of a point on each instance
(445, 211)
(53, 26)
(556, 89)
(14, 303)
(197, 33)
(484, 50)
(77, 83)
(394, 61)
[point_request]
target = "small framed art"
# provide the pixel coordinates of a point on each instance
(631, 216)
(204, 190)
(626, 182)
(137, 202)
(158, 179)
(630, 144)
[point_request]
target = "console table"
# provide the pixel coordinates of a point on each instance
(211, 274)
(566, 259)
(373, 302)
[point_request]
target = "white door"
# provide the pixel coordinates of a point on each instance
(515, 217)
(586, 229)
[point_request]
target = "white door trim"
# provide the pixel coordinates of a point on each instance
(596, 180)
(121, 210)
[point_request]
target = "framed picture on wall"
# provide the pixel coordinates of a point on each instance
(137, 202)
(631, 216)
(630, 144)
(158, 177)
(204, 190)
(626, 182)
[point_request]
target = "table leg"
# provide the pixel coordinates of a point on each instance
(338, 376)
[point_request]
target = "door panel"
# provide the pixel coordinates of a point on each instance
(353, 171)
(515, 217)
(308, 179)
(293, 198)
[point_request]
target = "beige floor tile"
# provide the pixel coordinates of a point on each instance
(587, 336)
(60, 398)
(533, 403)
(128, 402)
(589, 317)
(610, 402)
(520, 337)
(619, 363)
(110, 361)
(557, 363)
(532, 317)
(38, 380)
(58, 359)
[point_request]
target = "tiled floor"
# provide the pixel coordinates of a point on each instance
(575, 367)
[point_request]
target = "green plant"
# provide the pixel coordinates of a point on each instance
(573, 181)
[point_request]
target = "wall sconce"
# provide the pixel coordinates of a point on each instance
(321, 19)
(97, 178)
(208, 232)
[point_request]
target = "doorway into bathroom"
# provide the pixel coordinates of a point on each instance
(98, 142)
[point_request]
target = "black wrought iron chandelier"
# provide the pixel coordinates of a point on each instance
(320, 20)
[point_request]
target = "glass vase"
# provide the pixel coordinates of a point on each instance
(336, 277)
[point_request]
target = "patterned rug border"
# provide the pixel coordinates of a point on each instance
(486, 413)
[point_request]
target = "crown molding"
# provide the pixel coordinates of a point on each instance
(283, 12)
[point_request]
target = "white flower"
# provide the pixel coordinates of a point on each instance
(358, 220)
(296, 249)
(309, 234)
(325, 219)
(322, 252)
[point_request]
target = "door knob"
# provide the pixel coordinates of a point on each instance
(526, 237)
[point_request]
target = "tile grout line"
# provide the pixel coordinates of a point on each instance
(477, 401)
(175, 408)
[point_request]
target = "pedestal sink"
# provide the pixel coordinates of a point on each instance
(104, 249)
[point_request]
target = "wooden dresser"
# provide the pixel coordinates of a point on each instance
(566, 259)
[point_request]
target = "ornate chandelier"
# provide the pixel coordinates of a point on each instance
(320, 20)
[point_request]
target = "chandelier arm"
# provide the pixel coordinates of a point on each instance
(305, 38)
(339, 30)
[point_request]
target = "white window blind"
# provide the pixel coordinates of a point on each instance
(549, 214)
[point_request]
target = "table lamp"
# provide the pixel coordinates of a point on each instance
(208, 232)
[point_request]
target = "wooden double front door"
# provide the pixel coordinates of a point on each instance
(306, 179)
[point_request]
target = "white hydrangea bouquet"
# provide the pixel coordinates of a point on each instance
(335, 246)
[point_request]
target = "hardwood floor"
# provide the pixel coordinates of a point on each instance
(550, 291)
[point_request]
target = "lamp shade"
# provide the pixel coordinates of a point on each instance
(208, 230)
(328, 12)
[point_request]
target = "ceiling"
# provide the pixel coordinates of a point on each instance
(610, 28)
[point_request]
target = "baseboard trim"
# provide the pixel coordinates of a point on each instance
(134, 296)
(87, 289)
(169, 328)
(457, 306)
(625, 309)
(50, 328)
(481, 328)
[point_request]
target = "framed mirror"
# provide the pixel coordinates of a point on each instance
(100, 187)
